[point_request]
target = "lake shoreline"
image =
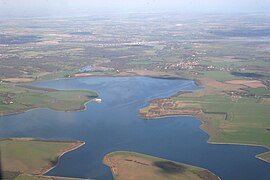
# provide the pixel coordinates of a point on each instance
(85, 108)
(28, 86)
(196, 81)
(51, 109)
(72, 148)
(209, 141)
(108, 161)
(41, 170)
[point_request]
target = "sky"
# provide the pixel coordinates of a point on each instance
(28, 7)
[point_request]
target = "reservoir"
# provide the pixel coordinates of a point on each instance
(115, 125)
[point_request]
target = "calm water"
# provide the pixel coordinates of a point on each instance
(114, 125)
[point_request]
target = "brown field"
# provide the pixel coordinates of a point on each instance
(131, 73)
(83, 75)
(206, 82)
(249, 83)
(144, 73)
(132, 166)
(18, 80)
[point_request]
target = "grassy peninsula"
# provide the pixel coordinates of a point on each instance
(234, 111)
(15, 98)
(133, 166)
(30, 158)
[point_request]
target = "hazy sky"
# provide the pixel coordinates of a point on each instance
(23, 7)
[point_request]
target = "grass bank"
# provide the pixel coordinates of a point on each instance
(131, 165)
(15, 99)
(27, 158)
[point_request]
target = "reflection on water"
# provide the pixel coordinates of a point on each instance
(114, 125)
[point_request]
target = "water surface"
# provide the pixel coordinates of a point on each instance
(114, 125)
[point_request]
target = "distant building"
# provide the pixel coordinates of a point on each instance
(86, 69)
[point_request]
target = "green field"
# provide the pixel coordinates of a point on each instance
(18, 99)
(219, 76)
(230, 113)
(264, 156)
(246, 122)
(29, 158)
(259, 91)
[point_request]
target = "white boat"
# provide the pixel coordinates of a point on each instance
(98, 100)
